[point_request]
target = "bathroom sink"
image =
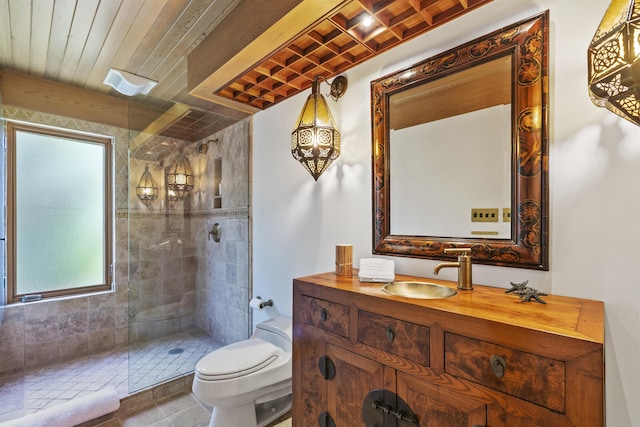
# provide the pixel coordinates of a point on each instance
(419, 290)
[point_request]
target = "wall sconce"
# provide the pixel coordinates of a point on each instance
(315, 142)
(614, 61)
(180, 176)
(147, 189)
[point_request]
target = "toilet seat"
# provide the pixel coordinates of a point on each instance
(248, 383)
(237, 360)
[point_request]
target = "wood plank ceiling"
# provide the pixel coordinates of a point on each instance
(75, 42)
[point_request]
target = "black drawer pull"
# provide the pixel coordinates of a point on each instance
(498, 364)
(327, 367)
(323, 314)
(325, 420)
(391, 335)
(400, 414)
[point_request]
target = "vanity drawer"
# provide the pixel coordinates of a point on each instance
(534, 378)
(326, 315)
(404, 339)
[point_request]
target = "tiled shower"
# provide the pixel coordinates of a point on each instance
(183, 284)
(177, 295)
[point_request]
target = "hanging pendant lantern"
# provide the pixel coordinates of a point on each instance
(614, 61)
(180, 177)
(147, 189)
(315, 142)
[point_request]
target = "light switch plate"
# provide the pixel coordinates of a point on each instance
(506, 215)
(484, 215)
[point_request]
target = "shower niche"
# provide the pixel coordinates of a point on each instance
(187, 294)
(217, 183)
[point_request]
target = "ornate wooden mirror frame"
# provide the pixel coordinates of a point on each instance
(526, 42)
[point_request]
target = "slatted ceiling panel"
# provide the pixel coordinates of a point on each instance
(77, 39)
(21, 33)
(178, 39)
(60, 27)
(120, 42)
(40, 31)
(338, 43)
(161, 55)
(102, 24)
(5, 42)
(161, 25)
(136, 32)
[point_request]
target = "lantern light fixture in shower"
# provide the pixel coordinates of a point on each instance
(180, 176)
(147, 189)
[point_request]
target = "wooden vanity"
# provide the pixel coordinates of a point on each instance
(479, 358)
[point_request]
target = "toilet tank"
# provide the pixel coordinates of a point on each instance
(278, 331)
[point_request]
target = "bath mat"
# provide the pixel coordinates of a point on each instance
(285, 423)
(75, 411)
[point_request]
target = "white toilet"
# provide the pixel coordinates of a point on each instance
(248, 383)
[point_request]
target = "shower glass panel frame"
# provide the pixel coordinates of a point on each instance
(188, 295)
(3, 235)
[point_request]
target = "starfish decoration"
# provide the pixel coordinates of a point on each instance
(517, 287)
(528, 294)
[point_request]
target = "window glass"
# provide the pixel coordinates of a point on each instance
(60, 208)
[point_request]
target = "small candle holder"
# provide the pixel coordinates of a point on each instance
(344, 260)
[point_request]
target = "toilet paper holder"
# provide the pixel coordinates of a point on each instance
(258, 303)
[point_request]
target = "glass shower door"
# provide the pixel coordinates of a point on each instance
(174, 294)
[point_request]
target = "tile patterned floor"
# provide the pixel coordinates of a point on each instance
(149, 363)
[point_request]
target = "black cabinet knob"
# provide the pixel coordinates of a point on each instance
(391, 335)
(498, 364)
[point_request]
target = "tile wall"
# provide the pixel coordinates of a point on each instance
(223, 275)
(43, 332)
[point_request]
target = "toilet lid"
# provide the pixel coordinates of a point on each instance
(236, 360)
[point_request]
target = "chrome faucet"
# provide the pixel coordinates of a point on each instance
(463, 265)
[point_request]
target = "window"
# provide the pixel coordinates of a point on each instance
(59, 222)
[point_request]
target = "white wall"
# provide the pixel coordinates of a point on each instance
(594, 196)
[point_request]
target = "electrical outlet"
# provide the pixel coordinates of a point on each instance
(506, 215)
(484, 215)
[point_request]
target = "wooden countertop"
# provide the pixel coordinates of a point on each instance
(572, 317)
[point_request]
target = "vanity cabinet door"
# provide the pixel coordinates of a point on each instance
(355, 377)
(309, 385)
(437, 406)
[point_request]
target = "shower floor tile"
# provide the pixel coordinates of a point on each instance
(127, 369)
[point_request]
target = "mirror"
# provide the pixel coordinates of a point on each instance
(460, 143)
(424, 152)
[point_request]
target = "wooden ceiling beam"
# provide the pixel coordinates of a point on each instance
(46, 96)
(237, 44)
